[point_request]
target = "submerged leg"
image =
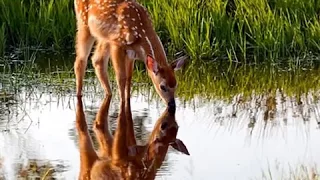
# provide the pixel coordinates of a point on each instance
(87, 153)
(119, 149)
(101, 129)
(131, 140)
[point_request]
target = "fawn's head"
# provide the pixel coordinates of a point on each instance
(164, 134)
(164, 79)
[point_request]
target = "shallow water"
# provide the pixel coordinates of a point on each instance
(263, 136)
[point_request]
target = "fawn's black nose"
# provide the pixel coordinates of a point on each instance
(172, 103)
(172, 107)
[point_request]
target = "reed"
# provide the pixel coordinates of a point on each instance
(229, 30)
(2, 40)
(46, 23)
(208, 80)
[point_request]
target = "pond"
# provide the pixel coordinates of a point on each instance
(267, 132)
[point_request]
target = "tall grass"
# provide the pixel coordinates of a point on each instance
(234, 30)
(239, 28)
(38, 22)
(2, 40)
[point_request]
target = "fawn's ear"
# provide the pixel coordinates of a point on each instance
(152, 65)
(178, 63)
(179, 146)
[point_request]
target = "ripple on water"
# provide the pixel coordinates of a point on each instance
(264, 135)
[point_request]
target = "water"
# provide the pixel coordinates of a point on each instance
(263, 136)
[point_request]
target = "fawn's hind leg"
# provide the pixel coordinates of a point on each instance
(84, 43)
(100, 61)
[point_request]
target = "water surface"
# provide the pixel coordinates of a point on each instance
(268, 135)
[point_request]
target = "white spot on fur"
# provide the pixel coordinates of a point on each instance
(127, 37)
(121, 17)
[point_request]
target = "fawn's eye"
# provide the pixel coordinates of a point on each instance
(163, 88)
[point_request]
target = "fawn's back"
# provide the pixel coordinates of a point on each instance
(120, 22)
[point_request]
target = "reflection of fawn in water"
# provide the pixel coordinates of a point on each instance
(117, 160)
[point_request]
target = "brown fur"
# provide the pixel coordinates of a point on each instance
(168, 74)
(120, 26)
(117, 160)
(123, 31)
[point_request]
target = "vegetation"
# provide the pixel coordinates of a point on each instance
(24, 83)
(284, 34)
(2, 40)
(237, 30)
(43, 23)
(207, 80)
(296, 172)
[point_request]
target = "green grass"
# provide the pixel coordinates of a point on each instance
(208, 80)
(43, 23)
(231, 30)
(2, 40)
(238, 28)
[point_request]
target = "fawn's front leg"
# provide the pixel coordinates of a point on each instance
(131, 140)
(101, 129)
(119, 147)
(87, 153)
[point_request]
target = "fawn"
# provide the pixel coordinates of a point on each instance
(115, 159)
(123, 31)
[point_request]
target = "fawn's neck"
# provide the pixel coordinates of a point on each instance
(152, 46)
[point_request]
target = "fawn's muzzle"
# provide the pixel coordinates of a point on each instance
(172, 106)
